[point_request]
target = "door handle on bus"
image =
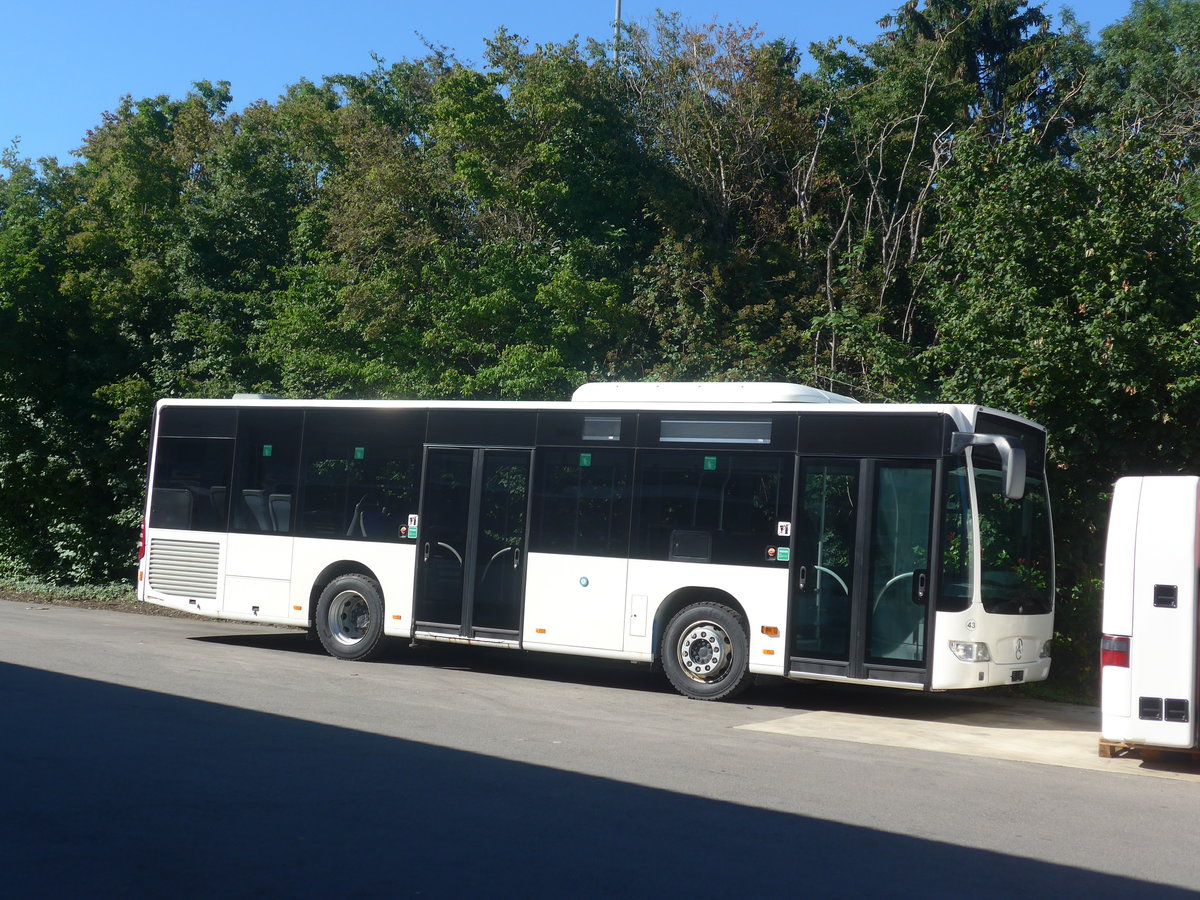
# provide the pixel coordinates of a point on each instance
(802, 578)
(516, 557)
(425, 555)
(920, 585)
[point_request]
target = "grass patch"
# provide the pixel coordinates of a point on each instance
(101, 593)
(1059, 692)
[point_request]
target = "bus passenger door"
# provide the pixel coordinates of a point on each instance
(860, 572)
(471, 543)
(824, 541)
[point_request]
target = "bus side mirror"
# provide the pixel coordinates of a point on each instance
(1012, 457)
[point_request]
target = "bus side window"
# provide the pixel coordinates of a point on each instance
(190, 478)
(581, 501)
(712, 506)
(268, 456)
(359, 473)
(171, 508)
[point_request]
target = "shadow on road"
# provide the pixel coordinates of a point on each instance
(493, 661)
(998, 707)
(113, 791)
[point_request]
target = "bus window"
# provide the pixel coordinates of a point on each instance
(265, 468)
(957, 542)
(191, 478)
(360, 473)
(712, 506)
(1016, 551)
(192, 464)
(581, 502)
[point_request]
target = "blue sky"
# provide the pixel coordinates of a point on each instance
(62, 64)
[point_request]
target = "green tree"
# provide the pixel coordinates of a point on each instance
(1147, 82)
(57, 514)
(478, 226)
(1147, 76)
(992, 56)
(1068, 294)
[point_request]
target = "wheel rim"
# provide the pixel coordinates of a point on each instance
(705, 652)
(349, 617)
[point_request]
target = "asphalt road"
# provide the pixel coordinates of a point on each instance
(146, 757)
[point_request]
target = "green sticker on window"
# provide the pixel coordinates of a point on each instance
(360, 452)
(266, 449)
(710, 464)
(784, 554)
(585, 460)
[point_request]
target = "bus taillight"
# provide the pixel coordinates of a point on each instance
(142, 543)
(1114, 651)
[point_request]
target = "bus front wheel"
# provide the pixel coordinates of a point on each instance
(349, 617)
(705, 652)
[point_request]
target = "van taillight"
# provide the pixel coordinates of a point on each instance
(142, 543)
(1114, 651)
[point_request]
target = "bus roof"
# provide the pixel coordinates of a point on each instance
(631, 392)
(702, 397)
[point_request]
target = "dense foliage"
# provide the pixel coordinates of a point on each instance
(981, 206)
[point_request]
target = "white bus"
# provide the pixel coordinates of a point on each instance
(1148, 650)
(721, 530)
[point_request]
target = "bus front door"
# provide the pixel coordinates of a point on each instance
(860, 605)
(471, 543)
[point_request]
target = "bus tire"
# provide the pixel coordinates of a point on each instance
(705, 652)
(349, 617)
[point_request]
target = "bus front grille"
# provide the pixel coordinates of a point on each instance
(184, 568)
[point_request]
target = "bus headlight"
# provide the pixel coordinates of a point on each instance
(971, 651)
(1045, 654)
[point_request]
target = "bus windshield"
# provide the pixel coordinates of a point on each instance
(1015, 546)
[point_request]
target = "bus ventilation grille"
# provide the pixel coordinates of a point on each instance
(185, 568)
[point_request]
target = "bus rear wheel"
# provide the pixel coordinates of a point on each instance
(705, 652)
(349, 617)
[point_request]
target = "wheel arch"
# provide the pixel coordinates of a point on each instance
(337, 570)
(684, 597)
